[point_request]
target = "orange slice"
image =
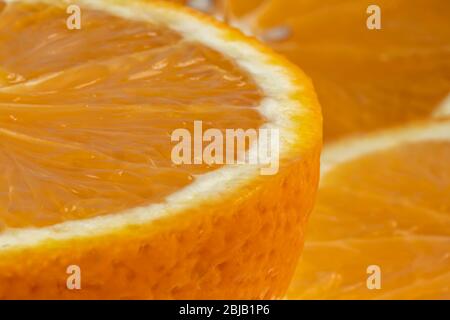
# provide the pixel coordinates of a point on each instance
(365, 79)
(384, 202)
(88, 178)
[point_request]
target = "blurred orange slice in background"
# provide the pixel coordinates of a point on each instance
(384, 201)
(365, 79)
(86, 118)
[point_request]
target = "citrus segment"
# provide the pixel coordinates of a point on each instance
(383, 200)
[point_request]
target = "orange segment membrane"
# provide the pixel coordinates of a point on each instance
(418, 178)
(86, 115)
(388, 209)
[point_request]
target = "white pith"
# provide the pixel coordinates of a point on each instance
(277, 107)
(353, 148)
(443, 110)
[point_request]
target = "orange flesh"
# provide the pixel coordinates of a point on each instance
(86, 115)
(389, 209)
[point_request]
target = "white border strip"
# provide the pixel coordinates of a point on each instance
(353, 148)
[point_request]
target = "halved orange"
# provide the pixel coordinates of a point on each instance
(383, 201)
(86, 117)
(365, 79)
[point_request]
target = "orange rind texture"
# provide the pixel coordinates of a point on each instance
(243, 247)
